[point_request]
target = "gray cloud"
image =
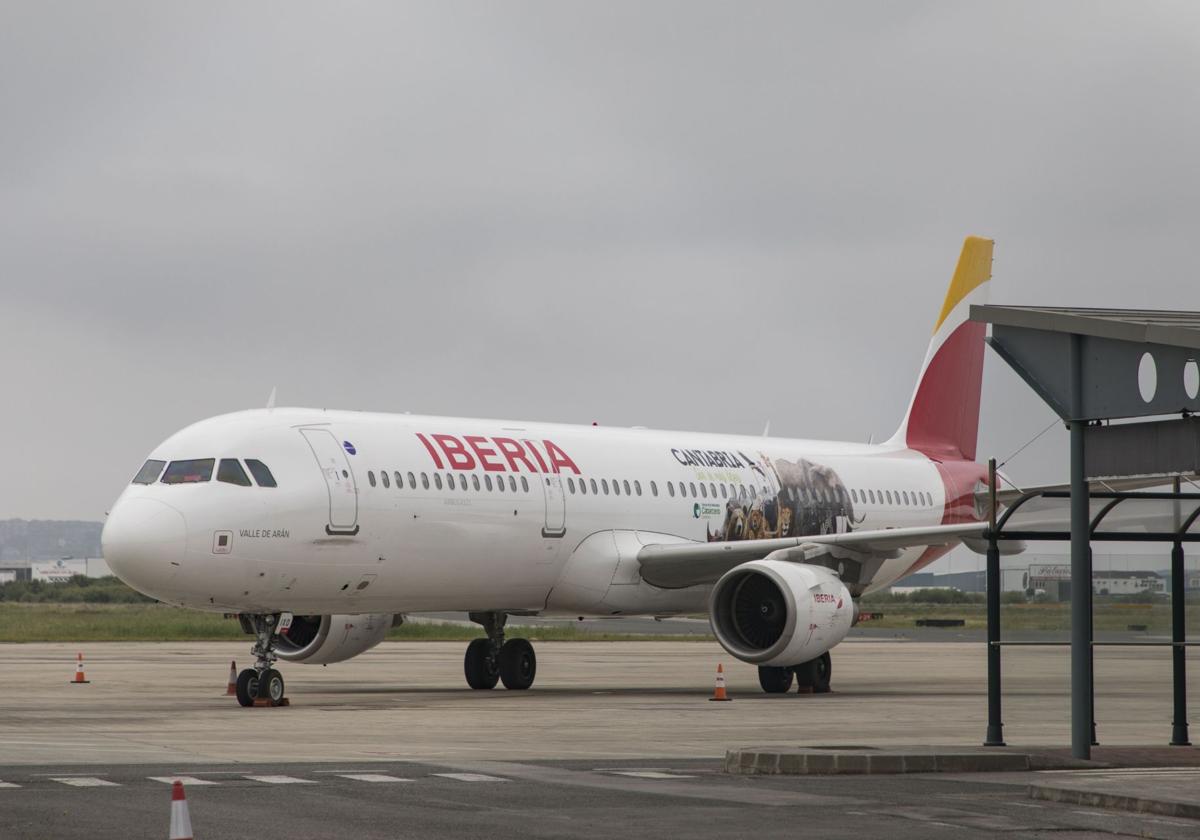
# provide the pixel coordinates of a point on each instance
(686, 215)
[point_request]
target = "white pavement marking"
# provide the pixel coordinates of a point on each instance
(651, 774)
(470, 777)
(187, 780)
(372, 777)
(8, 785)
(84, 781)
(280, 780)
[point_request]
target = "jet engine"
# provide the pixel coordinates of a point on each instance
(321, 639)
(779, 613)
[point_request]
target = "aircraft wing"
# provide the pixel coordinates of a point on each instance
(676, 565)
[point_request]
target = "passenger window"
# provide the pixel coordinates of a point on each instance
(872, 494)
(383, 476)
(671, 490)
(604, 484)
(703, 490)
(626, 484)
(189, 472)
(653, 489)
(524, 484)
(712, 488)
(231, 472)
(149, 472)
(487, 481)
(583, 486)
(399, 479)
(854, 495)
(437, 480)
(449, 481)
(692, 487)
(571, 485)
(753, 492)
(512, 484)
(475, 482)
(904, 495)
(500, 483)
(637, 487)
(412, 481)
(682, 490)
(425, 481)
(616, 487)
(371, 477)
(888, 495)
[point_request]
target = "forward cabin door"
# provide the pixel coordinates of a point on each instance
(556, 506)
(339, 480)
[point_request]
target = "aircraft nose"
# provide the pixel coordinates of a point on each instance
(143, 542)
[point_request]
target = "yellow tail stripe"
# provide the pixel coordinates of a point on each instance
(973, 270)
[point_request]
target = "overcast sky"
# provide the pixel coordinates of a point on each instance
(694, 216)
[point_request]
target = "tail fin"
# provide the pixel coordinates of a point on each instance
(943, 418)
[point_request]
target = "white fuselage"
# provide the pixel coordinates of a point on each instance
(331, 538)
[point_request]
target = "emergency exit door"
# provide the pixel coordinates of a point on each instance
(339, 480)
(556, 507)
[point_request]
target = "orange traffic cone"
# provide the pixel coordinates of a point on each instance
(181, 823)
(231, 689)
(719, 692)
(80, 679)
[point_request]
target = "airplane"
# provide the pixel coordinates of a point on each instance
(322, 529)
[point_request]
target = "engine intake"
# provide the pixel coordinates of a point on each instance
(322, 639)
(779, 613)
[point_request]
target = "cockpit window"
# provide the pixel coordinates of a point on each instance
(188, 472)
(260, 472)
(231, 472)
(149, 472)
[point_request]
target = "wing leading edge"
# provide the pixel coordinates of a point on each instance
(676, 565)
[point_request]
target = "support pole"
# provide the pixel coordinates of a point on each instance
(995, 728)
(1081, 572)
(1179, 728)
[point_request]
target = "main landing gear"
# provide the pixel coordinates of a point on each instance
(812, 676)
(493, 659)
(262, 682)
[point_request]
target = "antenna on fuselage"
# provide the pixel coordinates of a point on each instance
(271, 400)
(767, 429)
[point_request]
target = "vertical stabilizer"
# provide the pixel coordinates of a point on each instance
(942, 420)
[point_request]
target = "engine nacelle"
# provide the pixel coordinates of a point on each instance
(779, 613)
(321, 639)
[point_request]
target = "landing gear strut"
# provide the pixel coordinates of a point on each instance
(815, 674)
(262, 682)
(493, 659)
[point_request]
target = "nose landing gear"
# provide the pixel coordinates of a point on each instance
(493, 659)
(262, 682)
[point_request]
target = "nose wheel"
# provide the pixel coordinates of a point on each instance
(492, 660)
(262, 683)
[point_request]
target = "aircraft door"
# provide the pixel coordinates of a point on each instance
(339, 480)
(556, 507)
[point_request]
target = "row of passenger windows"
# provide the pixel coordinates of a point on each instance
(695, 490)
(450, 482)
(197, 470)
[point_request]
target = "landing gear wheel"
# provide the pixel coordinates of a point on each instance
(480, 666)
(774, 680)
(270, 687)
(815, 674)
(247, 687)
(518, 664)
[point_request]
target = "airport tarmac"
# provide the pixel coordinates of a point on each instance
(615, 738)
(592, 700)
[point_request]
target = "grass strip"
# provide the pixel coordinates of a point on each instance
(40, 622)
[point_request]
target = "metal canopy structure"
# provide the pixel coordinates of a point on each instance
(1091, 366)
